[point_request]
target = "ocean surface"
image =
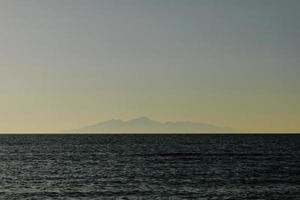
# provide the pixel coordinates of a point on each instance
(207, 167)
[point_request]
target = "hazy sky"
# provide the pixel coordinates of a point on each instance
(68, 63)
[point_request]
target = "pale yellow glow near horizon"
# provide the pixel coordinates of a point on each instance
(46, 114)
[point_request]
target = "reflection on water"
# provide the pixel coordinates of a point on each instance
(149, 167)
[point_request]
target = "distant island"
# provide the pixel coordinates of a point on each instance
(146, 125)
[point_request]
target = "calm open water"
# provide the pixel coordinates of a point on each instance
(149, 167)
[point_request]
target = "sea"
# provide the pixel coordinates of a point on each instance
(145, 166)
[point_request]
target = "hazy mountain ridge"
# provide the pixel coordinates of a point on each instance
(146, 125)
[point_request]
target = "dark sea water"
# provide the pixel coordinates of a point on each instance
(149, 167)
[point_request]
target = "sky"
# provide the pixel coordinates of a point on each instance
(69, 63)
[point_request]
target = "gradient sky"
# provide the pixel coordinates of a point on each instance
(68, 63)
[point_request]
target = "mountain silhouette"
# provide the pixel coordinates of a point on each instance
(146, 125)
